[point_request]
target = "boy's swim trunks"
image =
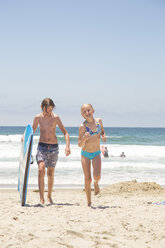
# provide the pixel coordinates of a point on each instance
(47, 153)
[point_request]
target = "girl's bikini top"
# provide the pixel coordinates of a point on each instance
(97, 130)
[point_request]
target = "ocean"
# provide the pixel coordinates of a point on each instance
(144, 149)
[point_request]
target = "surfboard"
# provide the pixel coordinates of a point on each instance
(24, 163)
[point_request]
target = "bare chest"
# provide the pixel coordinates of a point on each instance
(47, 123)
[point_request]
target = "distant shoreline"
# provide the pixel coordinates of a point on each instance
(56, 186)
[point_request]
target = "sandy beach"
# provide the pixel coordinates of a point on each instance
(121, 216)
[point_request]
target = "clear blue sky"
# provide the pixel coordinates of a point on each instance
(108, 53)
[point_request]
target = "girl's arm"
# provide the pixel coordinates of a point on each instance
(83, 136)
(103, 135)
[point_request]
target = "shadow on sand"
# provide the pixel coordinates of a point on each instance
(39, 205)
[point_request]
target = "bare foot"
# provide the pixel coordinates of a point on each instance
(49, 199)
(42, 201)
(96, 188)
(89, 204)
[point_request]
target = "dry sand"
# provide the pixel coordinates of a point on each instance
(121, 216)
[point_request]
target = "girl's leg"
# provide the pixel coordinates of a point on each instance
(96, 163)
(86, 164)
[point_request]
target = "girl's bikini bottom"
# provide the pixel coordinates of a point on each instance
(90, 155)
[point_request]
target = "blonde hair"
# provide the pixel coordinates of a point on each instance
(88, 104)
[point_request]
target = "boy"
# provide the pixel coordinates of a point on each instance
(47, 151)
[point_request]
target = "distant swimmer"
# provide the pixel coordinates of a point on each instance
(106, 155)
(104, 151)
(122, 155)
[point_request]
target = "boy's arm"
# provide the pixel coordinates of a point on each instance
(66, 135)
(83, 136)
(35, 123)
(103, 135)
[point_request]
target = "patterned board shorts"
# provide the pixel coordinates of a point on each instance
(48, 154)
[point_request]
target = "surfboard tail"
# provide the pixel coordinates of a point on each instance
(27, 170)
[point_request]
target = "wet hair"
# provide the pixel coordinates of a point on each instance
(86, 104)
(47, 102)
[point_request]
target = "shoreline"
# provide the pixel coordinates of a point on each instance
(56, 186)
(61, 186)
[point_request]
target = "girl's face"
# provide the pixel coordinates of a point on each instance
(87, 111)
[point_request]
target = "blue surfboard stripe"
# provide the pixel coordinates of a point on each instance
(27, 138)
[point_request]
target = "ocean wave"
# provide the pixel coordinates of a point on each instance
(111, 139)
(10, 138)
(144, 150)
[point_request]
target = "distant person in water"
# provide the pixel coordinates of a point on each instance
(104, 151)
(89, 139)
(47, 151)
(122, 155)
(106, 155)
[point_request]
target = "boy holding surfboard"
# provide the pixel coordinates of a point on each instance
(47, 150)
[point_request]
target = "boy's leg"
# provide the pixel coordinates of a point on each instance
(50, 174)
(96, 163)
(87, 176)
(52, 158)
(41, 174)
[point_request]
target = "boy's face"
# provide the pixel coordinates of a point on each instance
(48, 111)
(87, 111)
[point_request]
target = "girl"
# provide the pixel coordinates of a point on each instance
(89, 139)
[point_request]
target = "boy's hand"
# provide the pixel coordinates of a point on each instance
(67, 151)
(22, 138)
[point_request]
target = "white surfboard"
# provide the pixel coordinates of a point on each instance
(24, 163)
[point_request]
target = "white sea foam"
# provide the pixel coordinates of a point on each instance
(142, 162)
(10, 138)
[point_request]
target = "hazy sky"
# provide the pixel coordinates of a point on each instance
(108, 53)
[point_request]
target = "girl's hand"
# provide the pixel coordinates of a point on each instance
(86, 135)
(103, 137)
